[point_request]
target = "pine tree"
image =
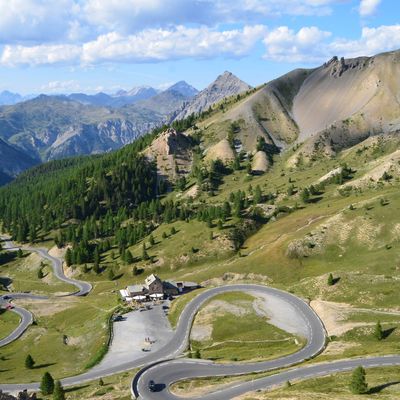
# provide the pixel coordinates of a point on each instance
(145, 255)
(331, 281)
(29, 362)
(101, 382)
(40, 273)
(173, 230)
(111, 275)
(69, 257)
(128, 257)
(305, 195)
(20, 254)
(378, 333)
(151, 240)
(58, 393)
(257, 195)
(47, 384)
(358, 383)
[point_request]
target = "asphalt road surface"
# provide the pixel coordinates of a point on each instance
(178, 344)
(83, 287)
(164, 368)
(26, 317)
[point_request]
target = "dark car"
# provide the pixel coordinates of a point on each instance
(117, 318)
(152, 386)
(6, 297)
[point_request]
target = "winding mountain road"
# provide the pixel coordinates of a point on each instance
(83, 288)
(164, 367)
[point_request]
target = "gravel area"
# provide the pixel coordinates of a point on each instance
(129, 336)
(280, 313)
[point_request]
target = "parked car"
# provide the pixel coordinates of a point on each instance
(152, 386)
(6, 297)
(117, 318)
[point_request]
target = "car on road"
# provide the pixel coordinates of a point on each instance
(152, 386)
(117, 318)
(6, 297)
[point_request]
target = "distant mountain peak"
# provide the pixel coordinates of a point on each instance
(184, 88)
(225, 85)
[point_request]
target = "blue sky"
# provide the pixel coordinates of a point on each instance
(62, 46)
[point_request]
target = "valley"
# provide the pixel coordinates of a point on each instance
(275, 187)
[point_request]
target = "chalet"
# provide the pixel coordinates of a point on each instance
(155, 288)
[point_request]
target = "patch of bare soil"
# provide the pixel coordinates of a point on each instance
(47, 307)
(334, 316)
(232, 277)
(58, 253)
(339, 347)
(222, 151)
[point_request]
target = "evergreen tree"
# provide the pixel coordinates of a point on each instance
(69, 257)
(145, 255)
(151, 240)
(96, 268)
(305, 195)
(257, 197)
(358, 383)
(40, 273)
(29, 362)
(248, 169)
(128, 257)
(330, 280)
(47, 384)
(111, 275)
(378, 332)
(101, 382)
(20, 254)
(58, 393)
(173, 230)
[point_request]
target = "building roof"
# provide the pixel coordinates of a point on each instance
(170, 284)
(151, 279)
(135, 288)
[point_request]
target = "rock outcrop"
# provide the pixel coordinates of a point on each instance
(172, 151)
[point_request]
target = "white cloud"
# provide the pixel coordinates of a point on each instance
(284, 44)
(368, 7)
(372, 41)
(39, 55)
(311, 45)
(35, 20)
(130, 16)
(150, 45)
(159, 45)
(60, 86)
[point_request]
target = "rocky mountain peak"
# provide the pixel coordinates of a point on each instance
(225, 85)
(184, 89)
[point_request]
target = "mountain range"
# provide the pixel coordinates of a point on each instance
(316, 111)
(53, 127)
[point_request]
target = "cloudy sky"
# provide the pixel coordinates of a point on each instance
(55, 46)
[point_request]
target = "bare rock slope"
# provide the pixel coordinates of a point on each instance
(225, 85)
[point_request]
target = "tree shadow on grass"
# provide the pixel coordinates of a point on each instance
(335, 280)
(75, 388)
(387, 332)
(39, 366)
(378, 389)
